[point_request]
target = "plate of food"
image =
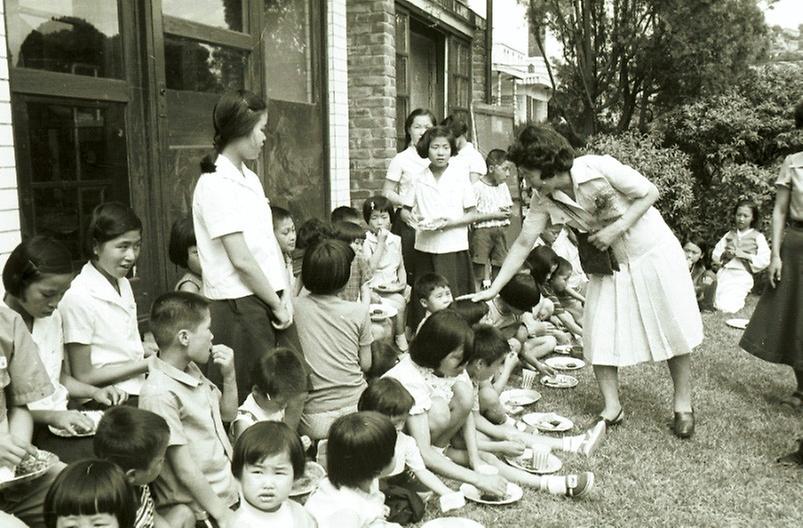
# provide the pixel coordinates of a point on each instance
(451, 522)
(313, 474)
(519, 397)
(737, 323)
(565, 363)
(559, 381)
(563, 349)
(95, 416)
(390, 287)
(380, 312)
(525, 462)
(550, 422)
(32, 467)
(513, 494)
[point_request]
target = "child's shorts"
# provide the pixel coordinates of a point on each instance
(489, 245)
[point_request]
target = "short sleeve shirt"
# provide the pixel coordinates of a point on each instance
(232, 200)
(472, 159)
(332, 331)
(387, 269)
(94, 314)
(423, 384)
(405, 168)
(23, 378)
(190, 404)
(446, 197)
(406, 455)
(492, 199)
(791, 177)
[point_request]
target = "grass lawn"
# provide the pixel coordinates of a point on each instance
(725, 475)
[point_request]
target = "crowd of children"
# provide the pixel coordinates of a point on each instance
(340, 336)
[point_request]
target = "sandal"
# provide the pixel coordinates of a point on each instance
(795, 401)
(616, 421)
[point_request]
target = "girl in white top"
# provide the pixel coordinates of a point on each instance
(403, 172)
(360, 450)
(471, 158)
(742, 252)
(244, 272)
(36, 276)
(99, 312)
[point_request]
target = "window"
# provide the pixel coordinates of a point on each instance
(402, 77)
(225, 14)
(459, 77)
(288, 50)
(200, 67)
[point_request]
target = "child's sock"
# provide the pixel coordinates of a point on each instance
(586, 443)
(554, 484)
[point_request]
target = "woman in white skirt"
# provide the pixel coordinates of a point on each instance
(640, 301)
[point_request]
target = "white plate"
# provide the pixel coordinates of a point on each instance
(393, 287)
(563, 349)
(313, 474)
(565, 363)
(553, 463)
(45, 461)
(95, 416)
(451, 522)
(561, 381)
(380, 312)
(519, 397)
(741, 324)
(514, 494)
(542, 422)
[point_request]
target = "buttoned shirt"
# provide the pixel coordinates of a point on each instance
(190, 404)
(471, 158)
(405, 168)
(94, 314)
(232, 200)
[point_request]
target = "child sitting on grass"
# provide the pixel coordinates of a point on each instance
(309, 233)
(279, 375)
(268, 459)
(432, 291)
(490, 351)
(387, 396)
(198, 469)
(183, 252)
(570, 300)
(136, 440)
(542, 263)
(361, 449)
(384, 357)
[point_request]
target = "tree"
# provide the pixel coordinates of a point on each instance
(624, 58)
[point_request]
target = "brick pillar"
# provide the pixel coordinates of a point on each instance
(372, 93)
(478, 60)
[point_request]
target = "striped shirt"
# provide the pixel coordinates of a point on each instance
(146, 510)
(492, 199)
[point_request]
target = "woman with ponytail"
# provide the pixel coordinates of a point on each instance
(244, 272)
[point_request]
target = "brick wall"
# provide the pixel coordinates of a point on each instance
(9, 199)
(478, 58)
(337, 68)
(371, 93)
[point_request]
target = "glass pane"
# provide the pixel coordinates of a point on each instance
(78, 159)
(201, 67)
(227, 14)
(79, 36)
(401, 75)
(402, 21)
(288, 50)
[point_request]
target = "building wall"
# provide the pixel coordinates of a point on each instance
(9, 199)
(479, 57)
(371, 93)
(337, 69)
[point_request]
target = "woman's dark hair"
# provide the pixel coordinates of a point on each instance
(409, 122)
(327, 266)
(279, 214)
(279, 372)
(456, 124)
(540, 262)
(377, 203)
(348, 231)
(32, 260)
(384, 356)
(489, 344)
(469, 310)
(441, 334)
(540, 147)
(386, 396)
(705, 259)
(89, 487)
(264, 439)
(235, 115)
(182, 238)
(753, 210)
(312, 231)
(360, 446)
(521, 293)
(109, 221)
(431, 134)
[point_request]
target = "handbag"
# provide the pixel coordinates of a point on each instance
(593, 260)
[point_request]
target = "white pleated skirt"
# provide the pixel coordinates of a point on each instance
(647, 311)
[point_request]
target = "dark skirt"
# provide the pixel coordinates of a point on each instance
(775, 332)
(407, 235)
(455, 267)
(245, 325)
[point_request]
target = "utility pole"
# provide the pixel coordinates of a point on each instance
(489, 42)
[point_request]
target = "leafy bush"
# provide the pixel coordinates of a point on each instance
(667, 168)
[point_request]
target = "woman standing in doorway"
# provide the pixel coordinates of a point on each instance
(244, 272)
(640, 302)
(403, 172)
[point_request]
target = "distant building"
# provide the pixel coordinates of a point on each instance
(786, 44)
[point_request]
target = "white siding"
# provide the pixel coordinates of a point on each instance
(337, 69)
(9, 199)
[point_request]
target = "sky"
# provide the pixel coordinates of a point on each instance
(785, 13)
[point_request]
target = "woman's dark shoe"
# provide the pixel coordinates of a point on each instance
(616, 421)
(794, 458)
(684, 424)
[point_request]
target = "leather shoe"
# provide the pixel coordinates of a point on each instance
(684, 424)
